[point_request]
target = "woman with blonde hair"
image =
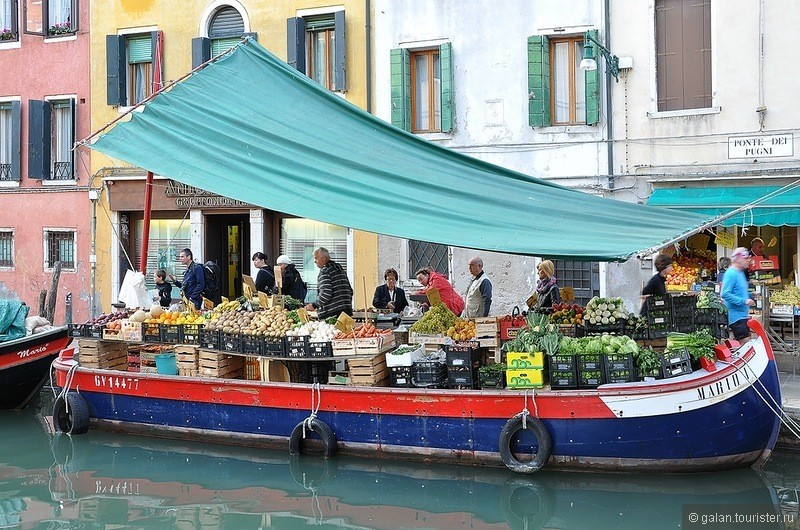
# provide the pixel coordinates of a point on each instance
(546, 287)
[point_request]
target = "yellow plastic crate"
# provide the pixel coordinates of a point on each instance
(524, 360)
(527, 378)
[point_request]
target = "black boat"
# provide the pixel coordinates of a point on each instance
(25, 365)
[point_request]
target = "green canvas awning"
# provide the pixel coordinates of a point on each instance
(251, 128)
(781, 210)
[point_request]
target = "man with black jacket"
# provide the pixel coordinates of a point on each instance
(334, 293)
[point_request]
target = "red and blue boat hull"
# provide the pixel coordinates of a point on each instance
(706, 420)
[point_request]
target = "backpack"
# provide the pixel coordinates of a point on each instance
(211, 275)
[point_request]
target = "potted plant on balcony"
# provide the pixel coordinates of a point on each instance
(7, 34)
(61, 28)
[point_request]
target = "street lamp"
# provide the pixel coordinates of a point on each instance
(590, 63)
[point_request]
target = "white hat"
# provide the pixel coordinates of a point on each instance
(283, 259)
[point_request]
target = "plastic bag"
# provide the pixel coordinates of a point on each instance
(133, 292)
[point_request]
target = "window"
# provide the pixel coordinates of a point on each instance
(316, 47)
(6, 247)
(683, 54)
(8, 21)
(51, 17)
(59, 246)
(167, 238)
(299, 238)
(51, 136)
(422, 254)
(582, 276)
(9, 140)
(226, 27)
(568, 105)
(559, 92)
(133, 67)
(422, 89)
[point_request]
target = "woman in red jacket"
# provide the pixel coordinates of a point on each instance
(431, 279)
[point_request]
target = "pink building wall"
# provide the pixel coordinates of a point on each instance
(33, 69)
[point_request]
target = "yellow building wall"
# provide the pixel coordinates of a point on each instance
(180, 22)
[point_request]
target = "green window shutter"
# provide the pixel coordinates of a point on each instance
(592, 79)
(446, 64)
(538, 81)
(219, 46)
(115, 70)
(140, 49)
(39, 113)
(400, 61)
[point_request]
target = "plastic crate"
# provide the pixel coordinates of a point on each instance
(273, 346)
(676, 363)
(462, 354)
(659, 303)
(625, 375)
(151, 332)
(590, 378)
(563, 379)
(617, 328)
(76, 330)
(319, 349)
(252, 344)
(571, 330)
(296, 346)
(93, 331)
(209, 339)
(526, 378)
(400, 376)
(522, 360)
(231, 342)
(562, 362)
(683, 304)
(590, 361)
(462, 376)
(191, 334)
(493, 380)
(708, 316)
(428, 374)
(655, 374)
(657, 332)
(171, 333)
(618, 361)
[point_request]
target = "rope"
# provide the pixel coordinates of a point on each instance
(316, 400)
(525, 413)
(67, 382)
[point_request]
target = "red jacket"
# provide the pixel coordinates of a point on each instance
(450, 297)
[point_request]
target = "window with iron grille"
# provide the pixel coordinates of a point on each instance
(6, 248)
(62, 137)
(582, 276)
(60, 246)
(423, 254)
(6, 140)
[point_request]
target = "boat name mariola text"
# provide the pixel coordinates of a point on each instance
(113, 381)
(720, 387)
(29, 352)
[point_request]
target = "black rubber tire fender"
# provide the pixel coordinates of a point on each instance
(322, 429)
(543, 439)
(72, 421)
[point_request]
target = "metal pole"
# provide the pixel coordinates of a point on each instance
(68, 309)
(148, 202)
(93, 262)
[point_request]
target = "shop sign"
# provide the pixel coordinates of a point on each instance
(765, 146)
(726, 239)
(190, 197)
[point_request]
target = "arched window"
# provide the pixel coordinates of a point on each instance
(225, 29)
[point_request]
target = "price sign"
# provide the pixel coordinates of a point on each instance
(726, 239)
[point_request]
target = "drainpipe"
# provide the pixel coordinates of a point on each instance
(368, 50)
(609, 113)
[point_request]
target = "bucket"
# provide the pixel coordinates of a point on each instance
(166, 364)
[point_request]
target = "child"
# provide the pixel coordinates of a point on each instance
(164, 288)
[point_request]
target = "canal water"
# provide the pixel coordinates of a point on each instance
(102, 480)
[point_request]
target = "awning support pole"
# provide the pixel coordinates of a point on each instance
(148, 204)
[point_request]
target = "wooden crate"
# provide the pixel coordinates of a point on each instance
(374, 345)
(188, 359)
(106, 355)
(343, 347)
(486, 327)
(368, 370)
(217, 364)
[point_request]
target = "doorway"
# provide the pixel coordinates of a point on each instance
(228, 244)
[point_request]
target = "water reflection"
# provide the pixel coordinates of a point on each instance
(102, 480)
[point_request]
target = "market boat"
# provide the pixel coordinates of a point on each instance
(705, 420)
(25, 363)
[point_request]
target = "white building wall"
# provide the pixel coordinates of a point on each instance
(490, 80)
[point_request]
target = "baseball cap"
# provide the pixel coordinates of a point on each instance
(283, 259)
